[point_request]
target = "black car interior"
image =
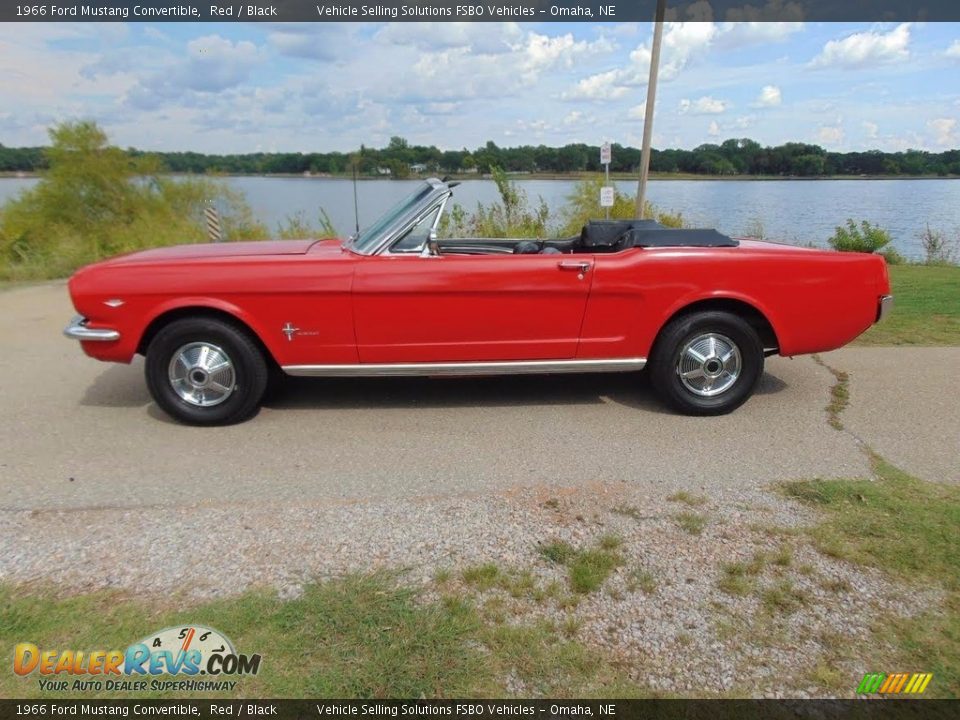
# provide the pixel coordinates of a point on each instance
(597, 236)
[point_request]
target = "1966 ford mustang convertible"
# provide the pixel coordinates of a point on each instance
(699, 309)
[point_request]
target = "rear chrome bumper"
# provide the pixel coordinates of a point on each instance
(884, 306)
(78, 330)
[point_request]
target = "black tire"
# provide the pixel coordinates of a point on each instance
(706, 394)
(246, 371)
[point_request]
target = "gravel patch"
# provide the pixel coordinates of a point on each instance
(678, 634)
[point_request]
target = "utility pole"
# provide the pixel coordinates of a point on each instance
(648, 115)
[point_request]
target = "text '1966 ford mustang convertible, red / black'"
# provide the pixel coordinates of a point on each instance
(700, 310)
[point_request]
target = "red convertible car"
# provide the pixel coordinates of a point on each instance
(700, 309)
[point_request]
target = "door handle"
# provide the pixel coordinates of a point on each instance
(581, 266)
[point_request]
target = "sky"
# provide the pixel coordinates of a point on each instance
(317, 87)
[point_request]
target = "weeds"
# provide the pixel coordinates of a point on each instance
(588, 569)
(937, 249)
(643, 580)
(687, 498)
(907, 528)
(736, 580)
(692, 522)
(783, 597)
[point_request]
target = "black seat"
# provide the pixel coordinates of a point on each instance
(526, 247)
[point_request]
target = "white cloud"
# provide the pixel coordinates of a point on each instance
(602, 86)
(483, 38)
(706, 105)
(830, 134)
(714, 129)
(212, 65)
(866, 49)
(682, 42)
(954, 50)
(543, 51)
(871, 129)
(311, 41)
(770, 96)
(637, 112)
(945, 131)
(738, 34)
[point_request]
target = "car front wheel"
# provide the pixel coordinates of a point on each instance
(707, 363)
(204, 371)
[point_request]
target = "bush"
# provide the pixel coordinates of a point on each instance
(511, 217)
(865, 238)
(96, 201)
(938, 250)
(583, 204)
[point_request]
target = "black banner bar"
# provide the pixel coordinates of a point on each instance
(873, 709)
(476, 11)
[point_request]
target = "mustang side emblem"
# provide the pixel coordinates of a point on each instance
(289, 330)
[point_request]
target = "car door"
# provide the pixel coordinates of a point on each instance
(450, 308)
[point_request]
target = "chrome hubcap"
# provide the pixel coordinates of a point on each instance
(709, 364)
(202, 374)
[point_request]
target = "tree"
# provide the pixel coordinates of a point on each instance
(97, 200)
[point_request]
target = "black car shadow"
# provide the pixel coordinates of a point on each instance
(118, 386)
(124, 386)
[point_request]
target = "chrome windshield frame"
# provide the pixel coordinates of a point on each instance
(438, 195)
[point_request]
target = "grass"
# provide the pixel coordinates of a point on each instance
(640, 579)
(692, 522)
(926, 309)
(908, 529)
(558, 552)
(783, 597)
(588, 568)
(687, 498)
(736, 579)
(482, 577)
(351, 637)
(630, 511)
(839, 395)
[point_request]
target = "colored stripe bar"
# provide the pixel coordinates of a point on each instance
(870, 683)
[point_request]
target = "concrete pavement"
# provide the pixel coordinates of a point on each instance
(905, 404)
(76, 433)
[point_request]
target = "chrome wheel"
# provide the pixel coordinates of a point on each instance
(709, 364)
(201, 374)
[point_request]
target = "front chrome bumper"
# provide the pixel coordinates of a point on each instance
(884, 306)
(78, 330)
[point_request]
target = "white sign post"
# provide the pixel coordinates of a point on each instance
(606, 199)
(606, 192)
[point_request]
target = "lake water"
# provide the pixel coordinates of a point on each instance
(790, 210)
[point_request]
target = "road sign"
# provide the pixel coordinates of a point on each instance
(605, 154)
(606, 197)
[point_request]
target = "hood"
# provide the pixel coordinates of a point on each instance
(214, 250)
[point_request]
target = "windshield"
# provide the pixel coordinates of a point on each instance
(370, 236)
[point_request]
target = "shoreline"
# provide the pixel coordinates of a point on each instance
(518, 176)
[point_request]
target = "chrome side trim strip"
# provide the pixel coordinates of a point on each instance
(885, 306)
(530, 367)
(78, 330)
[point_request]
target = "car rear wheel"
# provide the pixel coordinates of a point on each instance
(204, 371)
(707, 363)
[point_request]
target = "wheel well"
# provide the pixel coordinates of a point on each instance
(758, 321)
(161, 321)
